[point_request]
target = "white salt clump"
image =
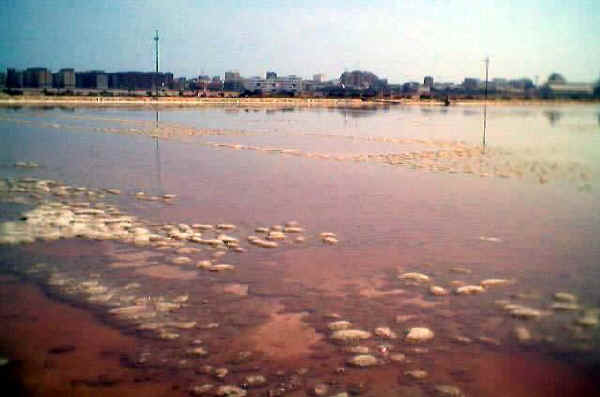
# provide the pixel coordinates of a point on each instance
(162, 306)
(522, 312)
(339, 325)
(589, 319)
(201, 226)
(413, 276)
(198, 351)
(221, 267)
(357, 349)
(181, 260)
(565, 297)
(263, 243)
(448, 391)
(227, 239)
(113, 191)
(362, 360)
(276, 235)
(230, 391)
(182, 324)
(522, 334)
(262, 230)
(565, 306)
(221, 373)
(419, 334)
(255, 380)
(205, 264)
(493, 282)
(293, 229)
(469, 290)
(330, 240)
(225, 226)
(438, 291)
(201, 390)
(168, 335)
(385, 332)
(26, 164)
(327, 234)
(181, 298)
(416, 374)
(490, 239)
(350, 335)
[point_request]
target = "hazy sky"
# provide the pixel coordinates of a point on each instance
(400, 40)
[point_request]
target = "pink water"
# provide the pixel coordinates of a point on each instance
(390, 219)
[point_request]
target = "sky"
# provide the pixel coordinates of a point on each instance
(398, 40)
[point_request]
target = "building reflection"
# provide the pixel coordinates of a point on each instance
(553, 116)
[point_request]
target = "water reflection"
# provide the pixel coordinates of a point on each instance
(484, 126)
(159, 184)
(361, 112)
(553, 116)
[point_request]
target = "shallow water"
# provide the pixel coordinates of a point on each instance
(405, 189)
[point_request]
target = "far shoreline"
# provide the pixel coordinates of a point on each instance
(93, 101)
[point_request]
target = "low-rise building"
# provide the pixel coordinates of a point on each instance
(571, 90)
(92, 79)
(290, 84)
(64, 78)
(14, 78)
(37, 78)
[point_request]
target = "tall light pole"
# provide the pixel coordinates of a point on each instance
(156, 51)
(487, 64)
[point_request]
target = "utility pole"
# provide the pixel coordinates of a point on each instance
(156, 73)
(487, 63)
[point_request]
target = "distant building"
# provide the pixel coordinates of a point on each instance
(319, 77)
(2, 79)
(179, 83)
(92, 79)
(439, 86)
(14, 78)
(232, 76)
(570, 90)
(64, 78)
(233, 81)
(280, 84)
(37, 78)
(133, 81)
(471, 84)
(216, 84)
(428, 81)
(271, 75)
(411, 87)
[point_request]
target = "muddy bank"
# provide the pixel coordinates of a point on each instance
(55, 349)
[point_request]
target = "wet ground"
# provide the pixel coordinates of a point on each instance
(220, 246)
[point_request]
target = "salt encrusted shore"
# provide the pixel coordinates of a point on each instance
(34, 100)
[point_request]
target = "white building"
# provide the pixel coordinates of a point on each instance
(279, 84)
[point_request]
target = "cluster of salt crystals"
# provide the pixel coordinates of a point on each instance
(451, 157)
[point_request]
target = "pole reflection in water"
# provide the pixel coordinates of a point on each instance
(159, 186)
(484, 125)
